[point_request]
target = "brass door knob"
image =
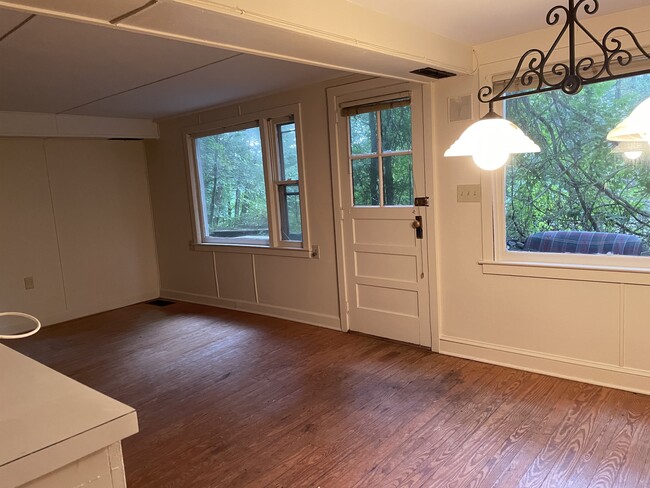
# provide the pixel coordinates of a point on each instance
(416, 224)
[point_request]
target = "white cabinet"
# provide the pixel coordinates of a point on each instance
(56, 432)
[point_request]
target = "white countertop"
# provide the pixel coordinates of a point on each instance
(48, 420)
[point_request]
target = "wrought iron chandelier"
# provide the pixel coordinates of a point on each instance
(492, 139)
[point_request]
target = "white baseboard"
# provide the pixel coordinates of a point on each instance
(95, 308)
(600, 374)
(312, 318)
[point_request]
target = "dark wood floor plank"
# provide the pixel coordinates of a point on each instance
(500, 437)
(392, 420)
(580, 444)
(583, 402)
(610, 420)
(324, 430)
(463, 453)
(618, 453)
(227, 399)
(441, 433)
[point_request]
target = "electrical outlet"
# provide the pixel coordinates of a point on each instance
(468, 193)
(29, 283)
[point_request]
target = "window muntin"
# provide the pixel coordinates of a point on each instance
(381, 157)
(577, 196)
(247, 182)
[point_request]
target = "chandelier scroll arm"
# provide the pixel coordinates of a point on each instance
(588, 62)
(535, 67)
(589, 6)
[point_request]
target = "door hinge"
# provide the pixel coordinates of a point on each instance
(347, 307)
(342, 214)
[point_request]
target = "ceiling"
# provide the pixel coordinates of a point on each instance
(478, 21)
(64, 57)
(58, 66)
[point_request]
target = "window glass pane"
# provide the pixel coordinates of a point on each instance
(398, 180)
(363, 133)
(233, 189)
(291, 223)
(365, 181)
(288, 152)
(579, 195)
(396, 129)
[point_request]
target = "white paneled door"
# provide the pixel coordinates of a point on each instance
(381, 173)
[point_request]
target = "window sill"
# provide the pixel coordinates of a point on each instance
(249, 249)
(603, 274)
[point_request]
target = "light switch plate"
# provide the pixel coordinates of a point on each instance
(468, 193)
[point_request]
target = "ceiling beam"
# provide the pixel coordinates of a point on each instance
(335, 34)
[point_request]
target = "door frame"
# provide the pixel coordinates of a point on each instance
(377, 87)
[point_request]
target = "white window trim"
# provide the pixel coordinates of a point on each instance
(266, 121)
(497, 260)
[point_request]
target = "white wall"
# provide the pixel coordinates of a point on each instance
(74, 215)
(590, 330)
(290, 287)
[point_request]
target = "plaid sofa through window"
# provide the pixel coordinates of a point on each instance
(582, 242)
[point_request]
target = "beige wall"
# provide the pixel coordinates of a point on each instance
(74, 215)
(591, 330)
(292, 287)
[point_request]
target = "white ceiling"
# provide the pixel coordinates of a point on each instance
(479, 21)
(52, 65)
(58, 66)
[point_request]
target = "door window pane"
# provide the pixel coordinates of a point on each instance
(398, 180)
(363, 133)
(287, 149)
(290, 213)
(396, 129)
(232, 182)
(365, 181)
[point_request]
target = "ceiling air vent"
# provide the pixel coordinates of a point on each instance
(429, 72)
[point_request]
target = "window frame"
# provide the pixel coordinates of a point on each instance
(266, 121)
(276, 182)
(498, 260)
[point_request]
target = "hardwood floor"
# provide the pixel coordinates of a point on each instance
(227, 399)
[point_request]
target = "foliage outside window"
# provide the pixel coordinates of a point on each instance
(236, 168)
(381, 157)
(580, 189)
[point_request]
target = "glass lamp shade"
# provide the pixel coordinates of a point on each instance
(490, 142)
(632, 150)
(635, 128)
(633, 155)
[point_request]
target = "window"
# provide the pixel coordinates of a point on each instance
(287, 183)
(582, 195)
(381, 155)
(247, 183)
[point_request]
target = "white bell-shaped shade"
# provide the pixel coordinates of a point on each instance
(490, 142)
(636, 127)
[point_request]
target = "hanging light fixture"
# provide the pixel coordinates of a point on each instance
(635, 128)
(492, 139)
(490, 142)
